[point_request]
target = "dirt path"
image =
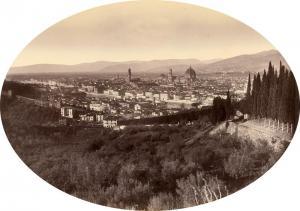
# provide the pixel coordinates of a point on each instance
(265, 131)
(253, 131)
(199, 135)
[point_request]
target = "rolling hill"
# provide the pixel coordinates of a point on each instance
(246, 63)
(243, 63)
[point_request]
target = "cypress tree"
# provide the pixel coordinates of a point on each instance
(272, 104)
(291, 98)
(248, 96)
(258, 99)
(280, 81)
(228, 106)
(283, 98)
(263, 96)
(271, 76)
(253, 96)
(296, 103)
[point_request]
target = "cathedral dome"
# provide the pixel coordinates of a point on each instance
(190, 74)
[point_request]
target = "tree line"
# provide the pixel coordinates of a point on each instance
(181, 117)
(274, 94)
(25, 90)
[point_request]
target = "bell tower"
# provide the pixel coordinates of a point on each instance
(129, 75)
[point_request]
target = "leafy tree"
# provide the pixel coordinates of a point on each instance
(228, 105)
(218, 111)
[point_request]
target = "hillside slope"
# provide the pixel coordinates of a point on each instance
(246, 63)
(243, 63)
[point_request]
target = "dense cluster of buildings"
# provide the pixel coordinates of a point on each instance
(106, 101)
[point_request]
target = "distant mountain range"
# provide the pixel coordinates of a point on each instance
(243, 63)
(246, 63)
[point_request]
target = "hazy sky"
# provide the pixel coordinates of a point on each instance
(142, 30)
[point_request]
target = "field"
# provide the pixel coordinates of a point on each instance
(151, 168)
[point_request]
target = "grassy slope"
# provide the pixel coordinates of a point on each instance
(140, 167)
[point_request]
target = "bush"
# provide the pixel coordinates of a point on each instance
(95, 145)
(198, 189)
(163, 201)
(248, 160)
(128, 191)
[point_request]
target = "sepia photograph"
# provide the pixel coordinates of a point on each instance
(150, 105)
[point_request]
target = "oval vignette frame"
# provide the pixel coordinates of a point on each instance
(49, 96)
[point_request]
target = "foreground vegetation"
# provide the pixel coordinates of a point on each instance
(140, 167)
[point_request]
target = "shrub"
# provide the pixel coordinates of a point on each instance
(198, 189)
(163, 201)
(249, 160)
(128, 191)
(239, 164)
(95, 145)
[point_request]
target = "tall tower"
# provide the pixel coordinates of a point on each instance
(170, 76)
(129, 75)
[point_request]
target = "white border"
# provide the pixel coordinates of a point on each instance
(21, 21)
